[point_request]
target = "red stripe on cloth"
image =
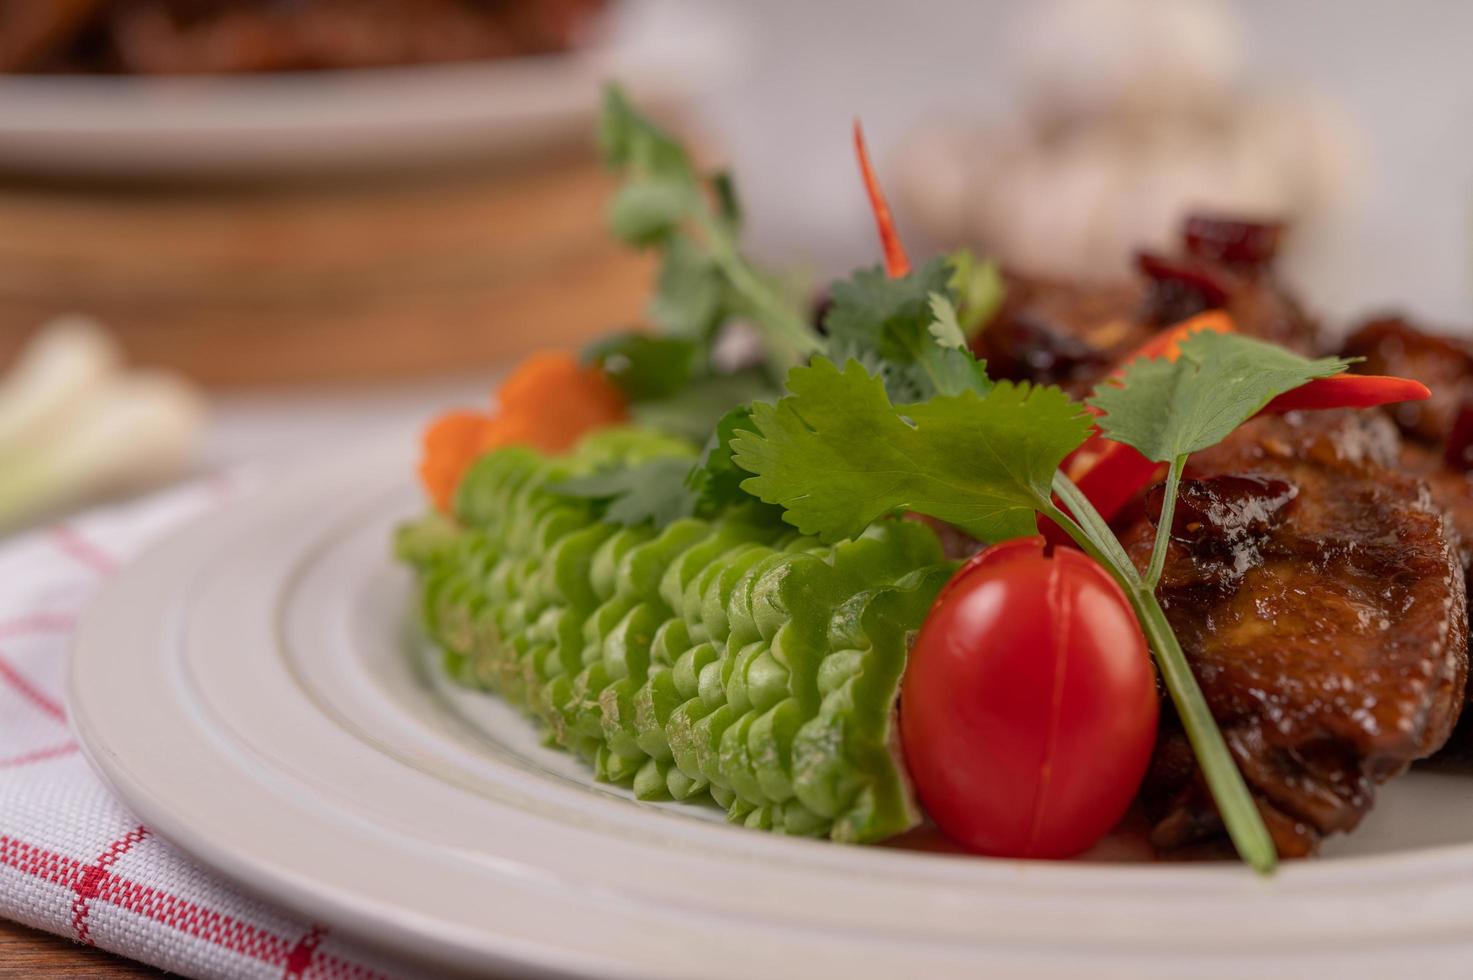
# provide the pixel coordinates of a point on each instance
(50, 867)
(37, 623)
(300, 957)
(170, 910)
(80, 549)
(29, 691)
(95, 876)
(39, 755)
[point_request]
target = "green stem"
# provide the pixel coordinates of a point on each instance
(789, 336)
(1234, 802)
(1092, 524)
(1163, 523)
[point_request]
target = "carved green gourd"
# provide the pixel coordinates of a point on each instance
(731, 659)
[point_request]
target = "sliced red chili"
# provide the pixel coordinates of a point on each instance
(897, 263)
(1348, 391)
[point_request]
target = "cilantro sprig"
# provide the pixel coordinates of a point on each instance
(694, 219)
(907, 329)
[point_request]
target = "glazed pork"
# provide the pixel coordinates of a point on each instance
(1072, 334)
(1439, 431)
(1316, 591)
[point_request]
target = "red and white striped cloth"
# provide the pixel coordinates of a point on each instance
(73, 861)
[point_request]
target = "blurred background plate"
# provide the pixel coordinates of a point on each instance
(111, 126)
(261, 124)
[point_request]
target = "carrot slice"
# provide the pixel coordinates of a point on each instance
(549, 402)
(556, 400)
(449, 444)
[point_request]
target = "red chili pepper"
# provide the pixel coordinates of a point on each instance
(896, 262)
(1348, 391)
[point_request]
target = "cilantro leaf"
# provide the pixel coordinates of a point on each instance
(945, 329)
(728, 205)
(645, 367)
(1170, 409)
(871, 311)
(689, 292)
(631, 142)
(653, 491)
(717, 479)
(947, 364)
(694, 411)
(904, 330)
(979, 289)
(837, 454)
(665, 203)
(648, 210)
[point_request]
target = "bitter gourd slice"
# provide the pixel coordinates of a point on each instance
(729, 659)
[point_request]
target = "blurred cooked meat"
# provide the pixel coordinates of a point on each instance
(1072, 334)
(1438, 431)
(1228, 264)
(1316, 592)
(1062, 333)
(1393, 345)
(31, 30)
(227, 36)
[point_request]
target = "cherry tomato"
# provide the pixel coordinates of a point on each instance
(1028, 709)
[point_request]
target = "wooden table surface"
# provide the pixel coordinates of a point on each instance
(28, 953)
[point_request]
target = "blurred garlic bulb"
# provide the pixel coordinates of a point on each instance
(1080, 58)
(1131, 121)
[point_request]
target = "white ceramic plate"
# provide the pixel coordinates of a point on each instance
(298, 740)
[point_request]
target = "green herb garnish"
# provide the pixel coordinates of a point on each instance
(979, 290)
(905, 330)
(1168, 410)
(652, 491)
(665, 203)
(838, 455)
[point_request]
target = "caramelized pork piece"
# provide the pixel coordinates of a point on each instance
(1069, 334)
(1316, 592)
(1452, 492)
(1438, 431)
(1072, 334)
(1393, 345)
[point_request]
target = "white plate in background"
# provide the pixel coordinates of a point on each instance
(305, 122)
